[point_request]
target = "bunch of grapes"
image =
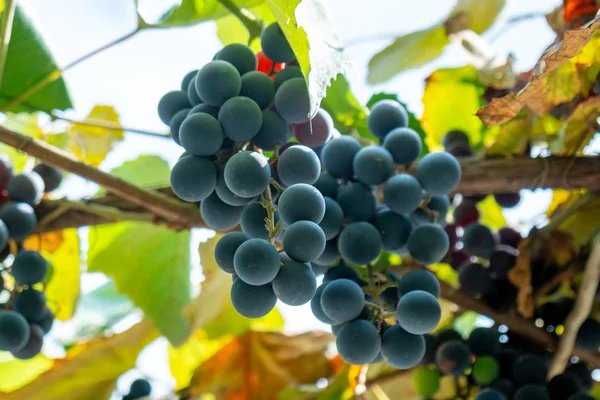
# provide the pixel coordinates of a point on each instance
(139, 388)
(313, 204)
(24, 317)
(497, 371)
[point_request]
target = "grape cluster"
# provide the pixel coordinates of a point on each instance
(497, 371)
(313, 204)
(24, 318)
(139, 388)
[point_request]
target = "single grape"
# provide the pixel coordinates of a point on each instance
(428, 244)
(247, 174)
(465, 214)
(532, 392)
(170, 103)
(530, 369)
(330, 255)
(426, 381)
(394, 229)
(275, 45)
(484, 341)
(358, 342)
(226, 195)
(33, 347)
(439, 173)
(140, 388)
(401, 349)
(218, 215)
(502, 260)
(455, 137)
(189, 77)
(193, 178)
(292, 101)
(341, 272)
(582, 373)
(176, 122)
(27, 188)
(430, 346)
(360, 243)
(29, 268)
(358, 201)
(504, 386)
(315, 306)
(404, 144)
(588, 337)
(298, 164)
(217, 82)
(192, 94)
(286, 74)
(562, 386)
(295, 284)
(304, 241)
(507, 200)
(240, 56)
(440, 205)
(333, 220)
(273, 131)
(6, 171)
(205, 108)
(460, 150)
(421, 280)
(509, 236)
(226, 248)
(241, 118)
(4, 236)
(327, 185)
(258, 87)
(479, 240)
(453, 357)
(373, 165)
(19, 218)
(338, 156)
(316, 132)
(301, 202)
(418, 312)
(256, 262)
(403, 193)
(31, 304)
(51, 176)
(474, 278)
(14, 331)
(446, 335)
(201, 134)
(46, 321)
(342, 300)
(385, 116)
(490, 394)
(485, 370)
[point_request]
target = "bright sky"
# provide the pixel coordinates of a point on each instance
(134, 75)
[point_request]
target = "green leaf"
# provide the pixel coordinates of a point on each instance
(452, 97)
(491, 213)
(345, 109)
(407, 52)
(231, 30)
(146, 170)
(27, 62)
(317, 47)
(413, 121)
(480, 15)
(191, 12)
(465, 323)
(150, 265)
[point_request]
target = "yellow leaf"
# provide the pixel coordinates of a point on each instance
(231, 30)
(61, 249)
(261, 364)
(511, 138)
(583, 223)
(16, 373)
(491, 213)
(445, 273)
(1, 5)
(560, 199)
(88, 371)
(581, 126)
(92, 144)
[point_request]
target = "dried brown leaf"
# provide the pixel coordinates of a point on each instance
(520, 277)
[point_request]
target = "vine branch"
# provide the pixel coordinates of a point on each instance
(168, 208)
(110, 125)
(579, 313)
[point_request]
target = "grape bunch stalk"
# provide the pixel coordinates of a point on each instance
(490, 368)
(24, 317)
(308, 200)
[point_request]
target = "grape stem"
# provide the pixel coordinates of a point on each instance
(429, 212)
(267, 204)
(276, 185)
(252, 23)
